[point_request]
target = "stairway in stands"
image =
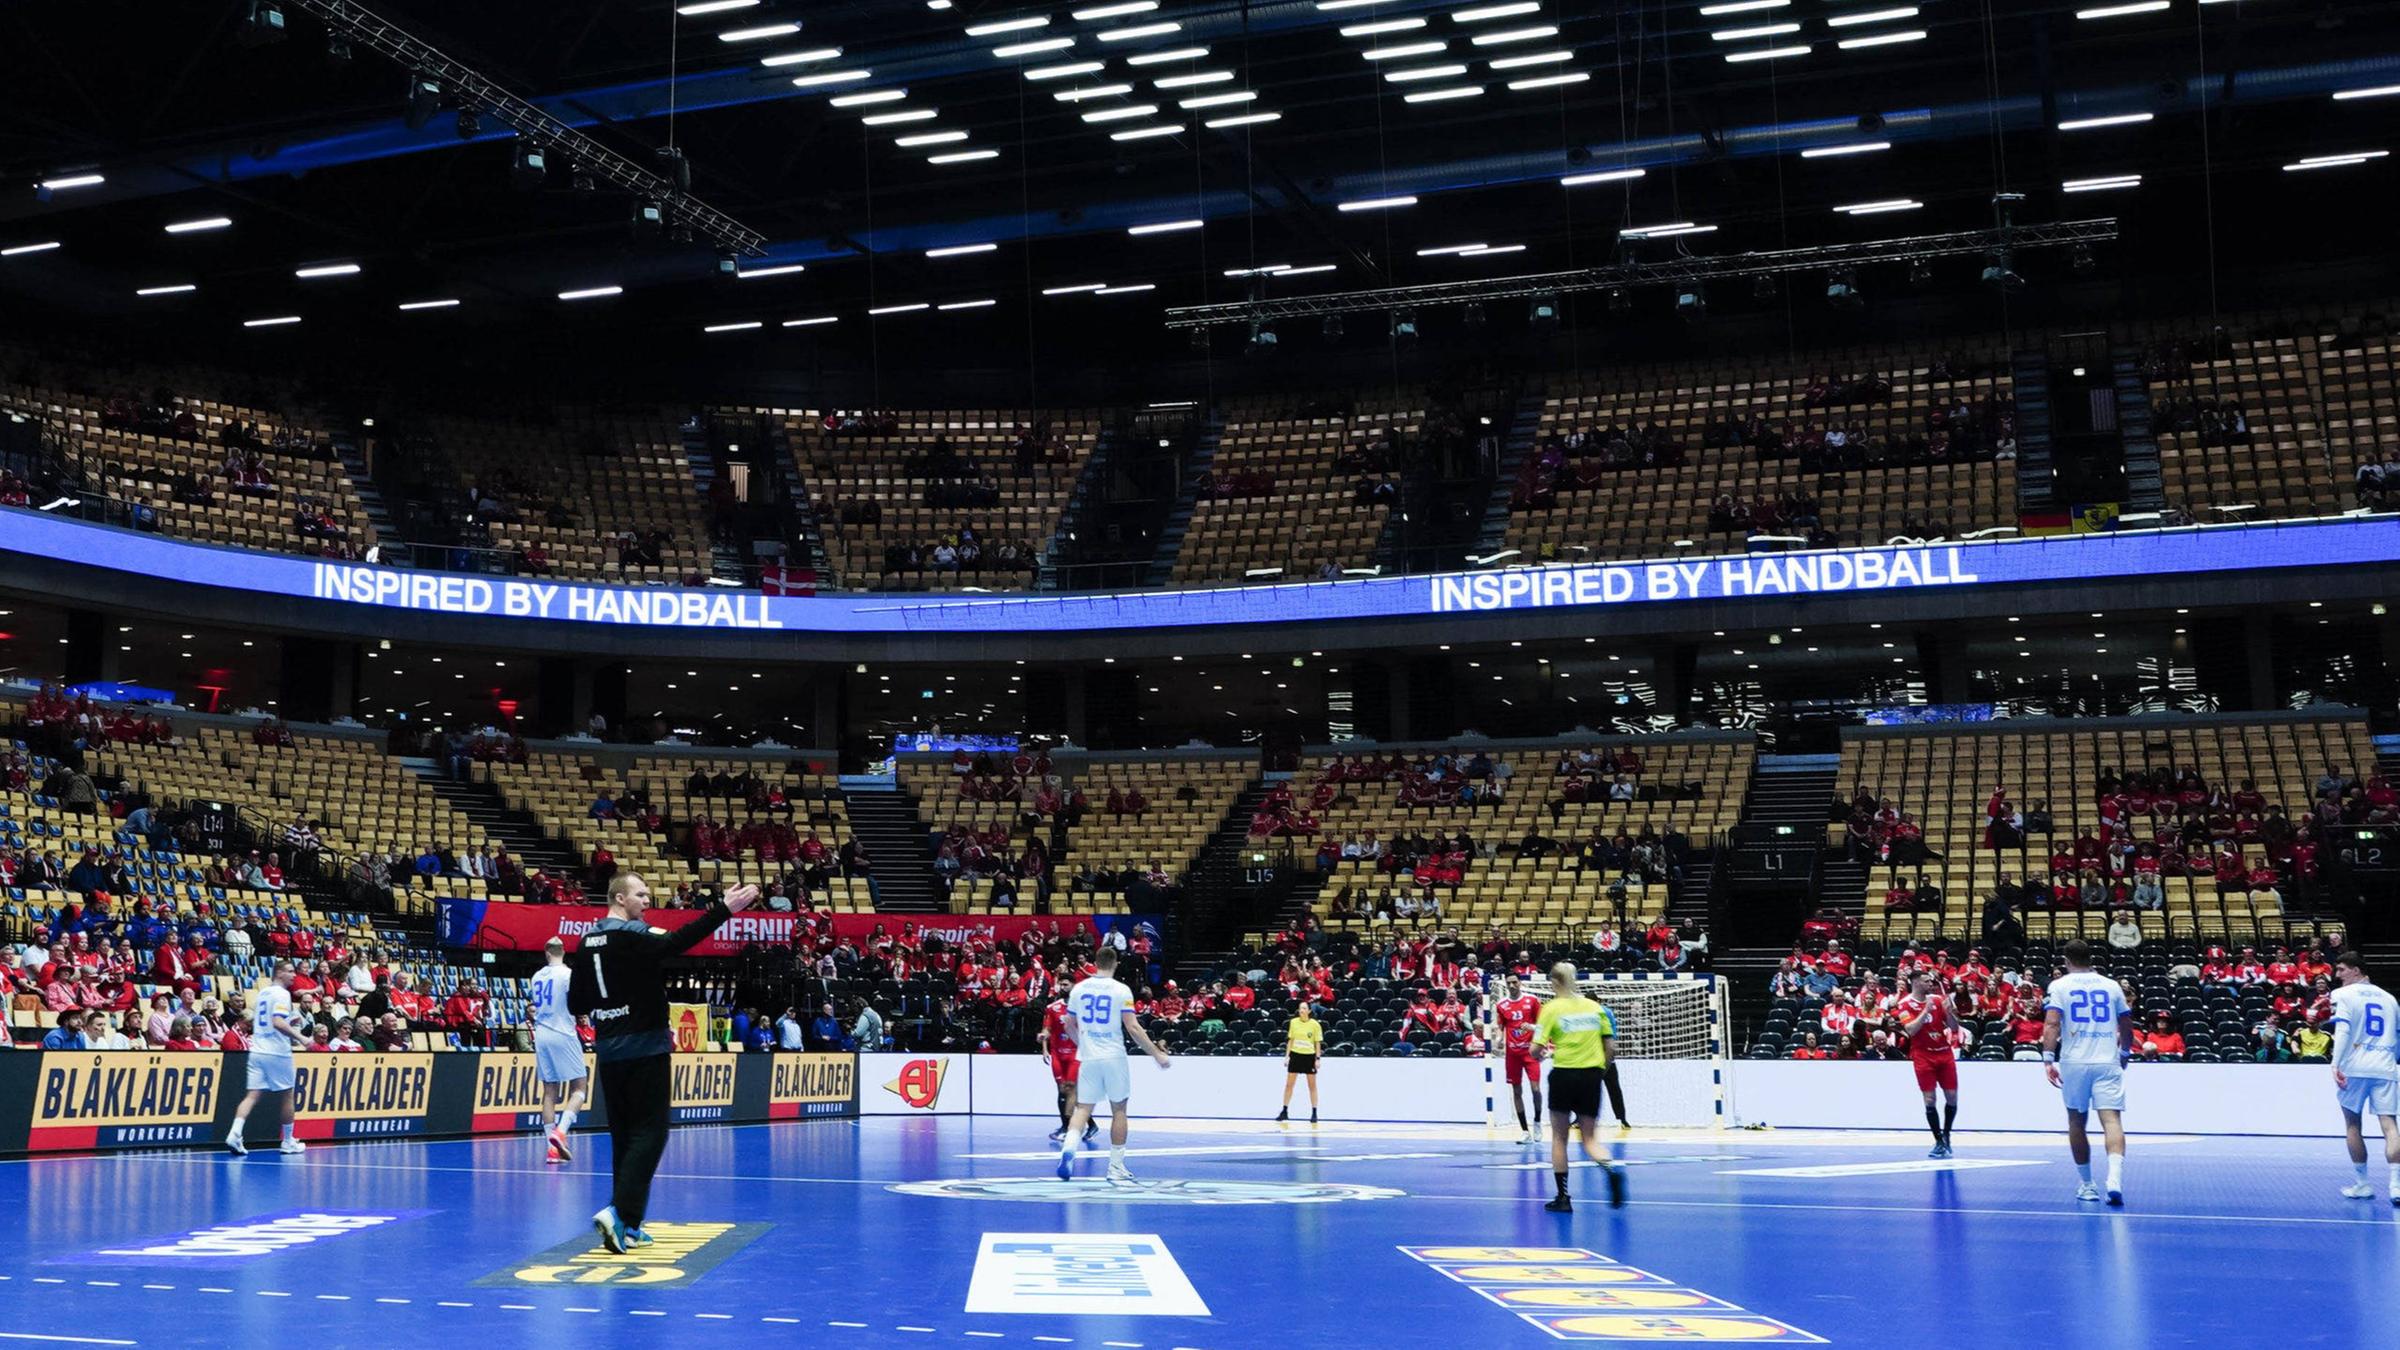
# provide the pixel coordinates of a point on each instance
(1793, 791)
(1089, 484)
(885, 819)
(728, 560)
(1521, 433)
(370, 494)
(1220, 901)
(517, 831)
(2145, 489)
(1170, 539)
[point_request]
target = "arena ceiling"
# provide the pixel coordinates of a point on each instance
(980, 170)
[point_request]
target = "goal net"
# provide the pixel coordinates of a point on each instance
(1670, 1046)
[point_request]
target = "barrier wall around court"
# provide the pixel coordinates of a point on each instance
(118, 1099)
(2207, 1099)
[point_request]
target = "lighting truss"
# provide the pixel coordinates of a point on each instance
(365, 28)
(1664, 271)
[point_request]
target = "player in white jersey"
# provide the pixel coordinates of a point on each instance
(557, 1049)
(2366, 1072)
(275, 1031)
(1100, 1017)
(2087, 1035)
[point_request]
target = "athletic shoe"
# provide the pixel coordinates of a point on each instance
(2087, 1192)
(553, 1156)
(2117, 1198)
(636, 1237)
(1939, 1151)
(558, 1145)
(234, 1141)
(1525, 1138)
(1058, 1135)
(2358, 1191)
(1560, 1205)
(1066, 1166)
(291, 1146)
(1616, 1187)
(1312, 1115)
(1624, 1127)
(1283, 1115)
(1091, 1132)
(612, 1233)
(1119, 1174)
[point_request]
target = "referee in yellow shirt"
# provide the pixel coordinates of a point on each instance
(1302, 1039)
(1577, 1036)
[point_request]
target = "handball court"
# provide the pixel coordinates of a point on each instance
(952, 1231)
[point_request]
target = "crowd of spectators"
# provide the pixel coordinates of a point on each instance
(1586, 458)
(2377, 481)
(56, 721)
(962, 550)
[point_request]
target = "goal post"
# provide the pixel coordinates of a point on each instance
(1670, 1047)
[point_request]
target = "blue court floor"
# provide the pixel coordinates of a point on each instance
(874, 1234)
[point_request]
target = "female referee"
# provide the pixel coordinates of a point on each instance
(1302, 1039)
(1577, 1036)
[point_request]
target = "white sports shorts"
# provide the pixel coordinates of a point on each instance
(2092, 1087)
(1103, 1080)
(557, 1058)
(269, 1073)
(2371, 1096)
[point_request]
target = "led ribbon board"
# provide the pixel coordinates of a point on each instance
(2050, 559)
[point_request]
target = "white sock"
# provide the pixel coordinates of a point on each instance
(2084, 1170)
(2358, 1173)
(2116, 1171)
(1116, 1155)
(287, 1131)
(241, 1123)
(566, 1120)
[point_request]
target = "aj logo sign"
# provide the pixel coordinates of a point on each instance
(919, 1085)
(678, 1254)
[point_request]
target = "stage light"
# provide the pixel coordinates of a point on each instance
(424, 100)
(673, 167)
(1841, 290)
(2080, 258)
(1404, 328)
(648, 216)
(1262, 338)
(262, 23)
(532, 167)
(2000, 272)
(469, 125)
(1542, 314)
(1920, 272)
(1333, 328)
(1619, 302)
(1691, 302)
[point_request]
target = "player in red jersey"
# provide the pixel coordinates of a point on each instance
(1059, 1046)
(1932, 1028)
(1515, 1014)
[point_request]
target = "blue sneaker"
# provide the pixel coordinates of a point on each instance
(635, 1237)
(1939, 1151)
(612, 1233)
(1066, 1164)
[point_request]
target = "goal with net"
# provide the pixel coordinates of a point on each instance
(1670, 1047)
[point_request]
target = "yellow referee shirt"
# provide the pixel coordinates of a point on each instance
(1304, 1035)
(1576, 1030)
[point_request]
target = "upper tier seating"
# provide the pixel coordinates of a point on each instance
(1690, 420)
(1292, 492)
(893, 489)
(274, 487)
(586, 494)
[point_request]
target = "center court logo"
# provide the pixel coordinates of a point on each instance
(1045, 1190)
(919, 1084)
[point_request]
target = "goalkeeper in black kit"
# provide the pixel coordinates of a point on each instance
(617, 983)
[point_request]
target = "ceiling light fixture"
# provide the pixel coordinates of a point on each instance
(1514, 35)
(323, 270)
(1127, 290)
(1143, 133)
(2112, 120)
(812, 321)
(70, 181)
(765, 30)
(2106, 184)
(197, 226)
(1483, 12)
(1449, 248)
(1139, 31)
(1881, 39)
(1062, 72)
(1742, 7)
(1161, 58)
(1546, 81)
(778, 270)
(1033, 48)
(2376, 91)
(871, 96)
(1090, 91)
(1076, 289)
(1377, 203)
(700, 7)
(1528, 59)
(1768, 53)
(1878, 208)
(1760, 30)
(819, 81)
(781, 59)
(967, 304)
(2334, 161)
(591, 293)
(1130, 110)
(1116, 11)
(412, 306)
(960, 250)
(1870, 16)
(743, 326)
(1837, 151)
(1405, 49)
(1008, 26)
(279, 321)
(882, 310)
(1359, 30)
(181, 289)
(1243, 119)
(1424, 73)
(1164, 227)
(20, 250)
(1217, 100)
(929, 138)
(1197, 77)
(962, 156)
(2120, 11)
(1603, 176)
(903, 115)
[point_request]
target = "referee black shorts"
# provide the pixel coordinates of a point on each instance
(1575, 1092)
(1294, 1062)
